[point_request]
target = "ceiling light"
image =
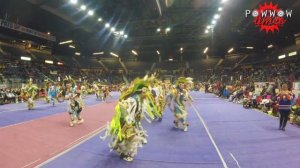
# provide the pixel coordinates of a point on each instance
(168, 29)
(91, 13)
(158, 29)
(83, 7)
(270, 46)
(60, 63)
(99, 19)
(250, 48)
(107, 25)
(112, 29)
(220, 9)
(208, 27)
(25, 58)
(292, 53)
(73, 1)
(66, 42)
(125, 35)
(77, 53)
(206, 49)
(157, 52)
(181, 49)
(223, 1)
(49, 33)
(281, 56)
(134, 52)
(206, 31)
(113, 54)
(170, 59)
(230, 50)
(99, 53)
(217, 16)
(71, 46)
(48, 61)
(122, 32)
(213, 22)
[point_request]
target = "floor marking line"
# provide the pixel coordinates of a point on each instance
(210, 137)
(31, 163)
(237, 163)
(101, 129)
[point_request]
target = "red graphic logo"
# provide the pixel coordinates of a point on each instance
(269, 17)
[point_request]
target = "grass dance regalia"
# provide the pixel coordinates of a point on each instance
(30, 93)
(52, 94)
(125, 129)
(158, 96)
(75, 103)
(180, 96)
(98, 91)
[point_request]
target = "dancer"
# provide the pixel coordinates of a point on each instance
(52, 94)
(125, 129)
(30, 92)
(180, 96)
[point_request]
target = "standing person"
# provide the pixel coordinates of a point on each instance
(31, 92)
(206, 87)
(180, 112)
(125, 129)
(52, 93)
(285, 101)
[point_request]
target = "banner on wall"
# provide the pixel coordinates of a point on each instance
(17, 27)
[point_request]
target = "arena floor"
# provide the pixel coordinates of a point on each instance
(221, 134)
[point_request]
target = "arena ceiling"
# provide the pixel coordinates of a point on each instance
(140, 19)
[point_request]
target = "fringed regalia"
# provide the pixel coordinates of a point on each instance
(30, 93)
(180, 97)
(125, 129)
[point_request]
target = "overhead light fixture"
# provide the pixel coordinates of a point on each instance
(213, 22)
(206, 31)
(25, 58)
(292, 53)
(168, 29)
(206, 49)
(48, 61)
(83, 7)
(230, 50)
(71, 46)
(250, 48)
(281, 56)
(66, 42)
(223, 1)
(99, 19)
(125, 35)
(49, 33)
(77, 53)
(216, 16)
(91, 12)
(158, 29)
(113, 54)
(121, 32)
(112, 29)
(99, 53)
(181, 49)
(220, 9)
(107, 25)
(73, 1)
(209, 26)
(134, 52)
(170, 59)
(157, 52)
(270, 46)
(60, 63)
